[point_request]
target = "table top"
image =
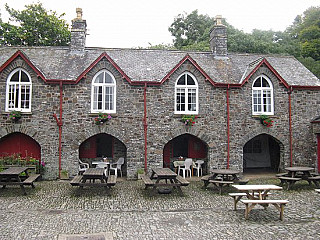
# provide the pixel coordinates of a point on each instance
(251, 187)
(14, 171)
(299, 169)
(160, 172)
(181, 163)
(93, 172)
(225, 171)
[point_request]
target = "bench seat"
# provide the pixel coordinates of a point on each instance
(147, 181)
(76, 180)
(279, 204)
(112, 180)
(317, 190)
(315, 180)
(31, 179)
(238, 196)
(220, 184)
(289, 181)
(182, 181)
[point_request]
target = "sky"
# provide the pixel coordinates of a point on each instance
(139, 23)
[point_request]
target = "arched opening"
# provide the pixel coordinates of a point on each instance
(186, 146)
(17, 144)
(102, 145)
(261, 153)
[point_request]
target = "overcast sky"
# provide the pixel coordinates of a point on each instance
(136, 23)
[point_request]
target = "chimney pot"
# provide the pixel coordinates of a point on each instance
(78, 33)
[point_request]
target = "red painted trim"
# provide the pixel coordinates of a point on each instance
(60, 123)
(145, 127)
(103, 55)
(228, 128)
(290, 126)
(318, 137)
(264, 61)
(296, 87)
(23, 56)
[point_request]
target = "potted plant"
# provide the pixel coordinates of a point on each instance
(140, 173)
(189, 120)
(266, 121)
(14, 116)
(64, 174)
(102, 118)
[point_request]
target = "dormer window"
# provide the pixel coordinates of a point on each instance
(18, 92)
(262, 96)
(186, 94)
(103, 95)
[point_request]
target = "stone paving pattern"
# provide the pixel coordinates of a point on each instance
(55, 207)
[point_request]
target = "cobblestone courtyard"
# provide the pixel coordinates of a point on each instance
(54, 208)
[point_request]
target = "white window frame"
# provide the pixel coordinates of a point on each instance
(185, 88)
(263, 100)
(103, 85)
(17, 94)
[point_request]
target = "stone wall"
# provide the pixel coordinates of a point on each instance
(126, 126)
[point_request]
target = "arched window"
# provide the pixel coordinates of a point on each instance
(103, 95)
(186, 94)
(262, 96)
(18, 93)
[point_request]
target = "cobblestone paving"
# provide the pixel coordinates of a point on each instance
(55, 207)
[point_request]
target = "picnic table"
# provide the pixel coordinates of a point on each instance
(165, 178)
(257, 195)
(222, 177)
(89, 177)
(295, 174)
(11, 176)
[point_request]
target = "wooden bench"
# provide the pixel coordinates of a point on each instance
(315, 180)
(76, 180)
(31, 179)
(317, 190)
(220, 184)
(205, 180)
(147, 181)
(182, 181)
(279, 204)
(241, 181)
(285, 174)
(238, 196)
(112, 180)
(289, 181)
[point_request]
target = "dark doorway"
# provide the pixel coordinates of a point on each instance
(186, 146)
(261, 153)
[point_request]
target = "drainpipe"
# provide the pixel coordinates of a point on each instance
(145, 126)
(59, 123)
(228, 127)
(290, 125)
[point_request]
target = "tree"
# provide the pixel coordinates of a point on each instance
(34, 26)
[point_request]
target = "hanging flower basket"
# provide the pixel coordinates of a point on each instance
(102, 118)
(14, 116)
(266, 121)
(189, 120)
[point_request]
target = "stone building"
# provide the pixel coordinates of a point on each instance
(61, 90)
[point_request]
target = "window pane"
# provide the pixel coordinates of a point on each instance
(182, 80)
(180, 99)
(15, 77)
(99, 78)
(109, 98)
(257, 83)
(190, 80)
(265, 83)
(192, 100)
(25, 97)
(108, 78)
(24, 77)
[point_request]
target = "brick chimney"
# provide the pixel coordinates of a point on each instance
(78, 32)
(218, 38)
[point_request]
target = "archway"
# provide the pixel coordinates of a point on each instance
(102, 145)
(262, 153)
(19, 144)
(185, 145)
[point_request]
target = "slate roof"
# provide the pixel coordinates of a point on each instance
(153, 65)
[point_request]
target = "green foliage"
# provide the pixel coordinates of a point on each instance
(302, 39)
(34, 26)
